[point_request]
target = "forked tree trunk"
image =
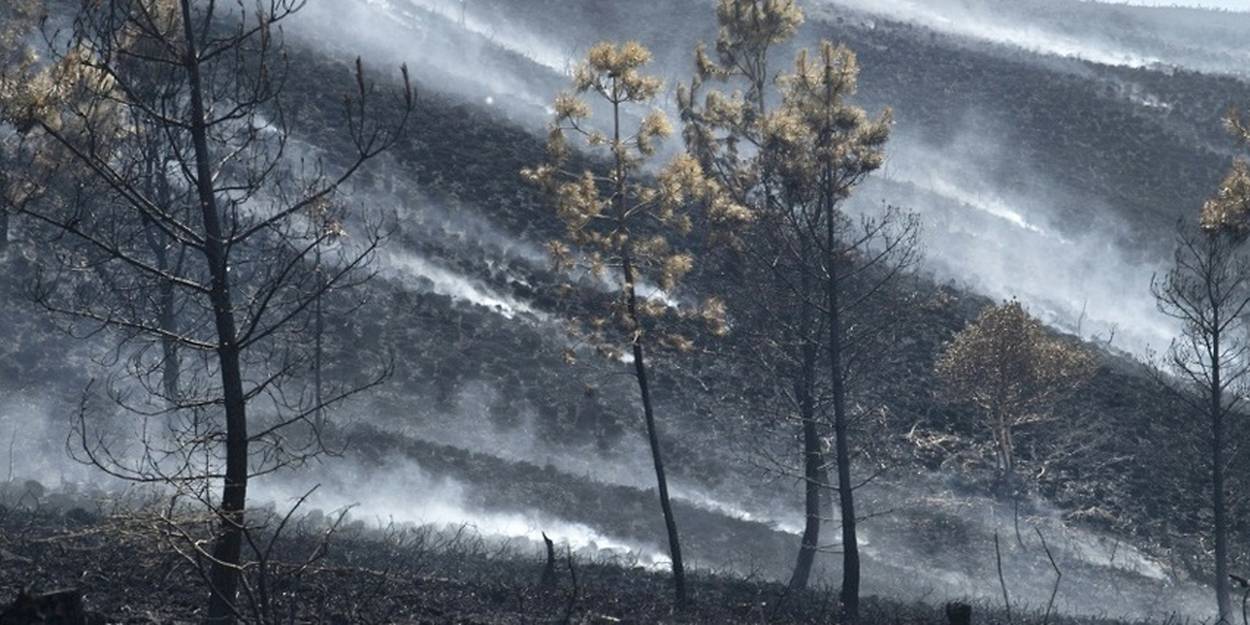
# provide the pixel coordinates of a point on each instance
(227, 549)
(837, 380)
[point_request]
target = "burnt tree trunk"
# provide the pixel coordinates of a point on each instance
(1223, 589)
(4, 226)
(640, 367)
(813, 456)
(846, 490)
(157, 186)
(227, 548)
(958, 613)
(837, 381)
(549, 570)
(653, 439)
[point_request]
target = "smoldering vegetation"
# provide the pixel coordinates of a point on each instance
(974, 165)
(484, 439)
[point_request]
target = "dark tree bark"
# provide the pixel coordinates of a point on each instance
(1208, 290)
(156, 185)
(1223, 587)
(653, 440)
(814, 473)
(548, 578)
(640, 372)
(958, 613)
(842, 450)
(229, 543)
(837, 382)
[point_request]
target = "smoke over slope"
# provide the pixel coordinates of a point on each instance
(1102, 33)
(972, 168)
(467, 289)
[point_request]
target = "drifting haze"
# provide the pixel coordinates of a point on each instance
(1102, 33)
(982, 231)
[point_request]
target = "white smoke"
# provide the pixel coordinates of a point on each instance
(409, 267)
(402, 492)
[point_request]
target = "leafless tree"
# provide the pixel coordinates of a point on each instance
(1208, 291)
(188, 223)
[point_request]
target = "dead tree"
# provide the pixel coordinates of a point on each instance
(1208, 291)
(203, 85)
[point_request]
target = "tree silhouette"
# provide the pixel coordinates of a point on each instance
(625, 222)
(197, 232)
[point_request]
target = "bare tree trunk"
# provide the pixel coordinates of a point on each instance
(813, 474)
(228, 546)
(167, 303)
(813, 458)
(1222, 585)
(846, 492)
(1009, 452)
(4, 213)
(837, 375)
(640, 369)
(653, 439)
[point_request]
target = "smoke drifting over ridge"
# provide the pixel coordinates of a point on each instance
(1074, 275)
(1102, 33)
(999, 242)
(479, 64)
(1078, 276)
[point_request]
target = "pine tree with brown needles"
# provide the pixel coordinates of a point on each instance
(1012, 370)
(624, 222)
(728, 131)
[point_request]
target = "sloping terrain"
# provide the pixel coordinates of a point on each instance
(483, 417)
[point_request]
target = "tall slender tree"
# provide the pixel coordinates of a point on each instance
(625, 222)
(821, 147)
(794, 152)
(728, 133)
(1208, 291)
(161, 100)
